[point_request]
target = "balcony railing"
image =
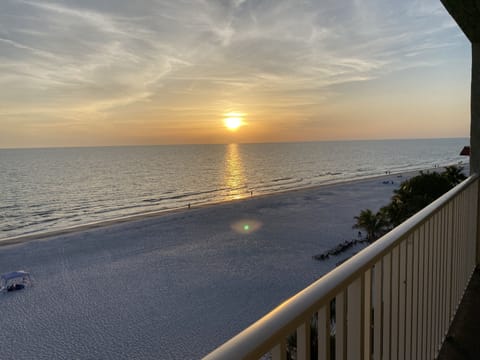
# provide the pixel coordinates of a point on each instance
(393, 300)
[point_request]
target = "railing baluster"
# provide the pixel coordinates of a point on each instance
(279, 352)
(430, 246)
(471, 214)
(450, 261)
(456, 271)
(394, 304)
(367, 314)
(435, 284)
(303, 341)
(426, 298)
(324, 332)
(444, 270)
(415, 295)
(387, 306)
(461, 257)
(377, 310)
(402, 299)
(460, 250)
(421, 292)
(469, 193)
(443, 277)
(409, 296)
(441, 281)
(354, 320)
(473, 224)
(340, 328)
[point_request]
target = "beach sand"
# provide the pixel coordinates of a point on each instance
(178, 285)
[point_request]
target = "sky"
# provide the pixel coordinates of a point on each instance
(122, 72)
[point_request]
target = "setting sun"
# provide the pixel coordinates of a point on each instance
(233, 121)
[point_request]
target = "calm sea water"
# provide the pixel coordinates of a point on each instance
(52, 189)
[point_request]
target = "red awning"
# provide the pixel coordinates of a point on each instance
(465, 151)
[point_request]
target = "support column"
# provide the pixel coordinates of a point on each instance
(467, 15)
(475, 129)
(477, 235)
(475, 111)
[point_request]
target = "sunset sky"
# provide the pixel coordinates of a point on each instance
(122, 72)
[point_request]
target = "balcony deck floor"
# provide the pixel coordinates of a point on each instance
(463, 339)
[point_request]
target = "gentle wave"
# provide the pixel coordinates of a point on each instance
(49, 193)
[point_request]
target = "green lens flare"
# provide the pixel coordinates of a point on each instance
(246, 226)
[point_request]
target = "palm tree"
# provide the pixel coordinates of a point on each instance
(454, 174)
(372, 223)
(412, 196)
(416, 193)
(393, 213)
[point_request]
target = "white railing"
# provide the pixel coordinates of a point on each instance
(393, 300)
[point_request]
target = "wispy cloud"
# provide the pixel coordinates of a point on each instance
(97, 58)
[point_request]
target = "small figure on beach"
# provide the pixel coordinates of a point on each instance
(189, 205)
(251, 193)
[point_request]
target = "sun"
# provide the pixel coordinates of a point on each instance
(233, 121)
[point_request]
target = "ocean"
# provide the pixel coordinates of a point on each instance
(51, 189)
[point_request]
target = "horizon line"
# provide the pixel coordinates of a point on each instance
(227, 143)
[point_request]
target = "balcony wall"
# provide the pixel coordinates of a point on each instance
(394, 300)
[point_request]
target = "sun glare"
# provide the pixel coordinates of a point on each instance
(233, 121)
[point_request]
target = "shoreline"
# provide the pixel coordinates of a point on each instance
(163, 213)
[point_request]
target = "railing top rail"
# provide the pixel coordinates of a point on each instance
(260, 337)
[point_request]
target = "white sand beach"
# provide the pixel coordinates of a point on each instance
(178, 285)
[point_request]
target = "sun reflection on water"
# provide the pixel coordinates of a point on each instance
(237, 188)
(234, 176)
